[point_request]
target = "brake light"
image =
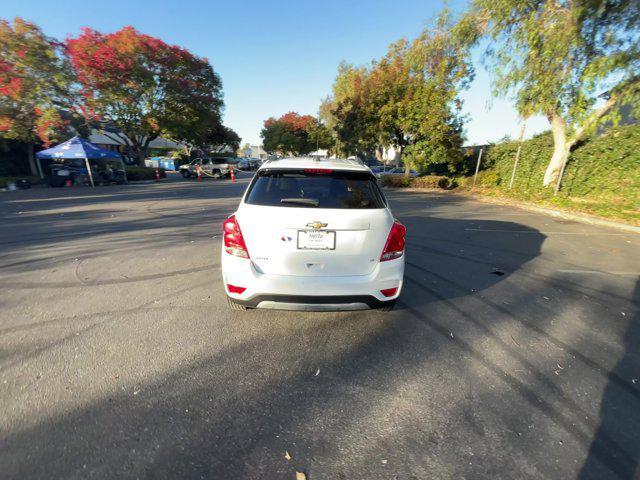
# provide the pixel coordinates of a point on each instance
(394, 248)
(235, 289)
(389, 292)
(233, 239)
(318, 171)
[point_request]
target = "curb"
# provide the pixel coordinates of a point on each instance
(578, 217)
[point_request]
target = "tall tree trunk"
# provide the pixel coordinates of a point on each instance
(561, 149)
(407, 165)
(33, 168)
(379, 154)
(562, 145)
(140, 150)
(141, 158)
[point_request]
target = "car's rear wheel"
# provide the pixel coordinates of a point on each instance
(235, 306)
(216, 174)
(186, 173)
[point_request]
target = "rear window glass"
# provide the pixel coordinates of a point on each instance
(298, 188)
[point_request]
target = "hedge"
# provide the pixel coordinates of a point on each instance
(396, 181)
(432, 181)
(602, 175)
(143, 173)
(605, 164)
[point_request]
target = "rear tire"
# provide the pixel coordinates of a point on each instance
(186, 173)
(216, 174)
(235, 306)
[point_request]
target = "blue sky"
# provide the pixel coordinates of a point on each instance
(276, 56)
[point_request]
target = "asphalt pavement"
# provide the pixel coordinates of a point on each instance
(513, 351)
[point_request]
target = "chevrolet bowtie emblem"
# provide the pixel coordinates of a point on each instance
(316, 225)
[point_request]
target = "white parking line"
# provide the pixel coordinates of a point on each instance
(599, 272)
(547, 232)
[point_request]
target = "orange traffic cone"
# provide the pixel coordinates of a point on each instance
(199, 173)
(157, 175)
(68, 183)
(233, 177)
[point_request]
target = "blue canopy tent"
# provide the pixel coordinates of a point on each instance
(77, 147)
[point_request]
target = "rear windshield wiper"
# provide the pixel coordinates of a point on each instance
(304, 201)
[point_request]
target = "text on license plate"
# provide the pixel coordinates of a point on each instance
(316, 240)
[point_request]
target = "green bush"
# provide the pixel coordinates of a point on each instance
(488, 178)
(461, 182)
(431, 181)
(534, 158)
(143, 173)
(602, 175)
(395, 181)
(607, 164)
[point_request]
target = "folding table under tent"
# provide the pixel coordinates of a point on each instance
(77, 147)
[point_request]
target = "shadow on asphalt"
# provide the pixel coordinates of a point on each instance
(53, 219)
(233, 414)
(618, 435)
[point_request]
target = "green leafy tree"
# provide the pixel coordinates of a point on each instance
(408, 99)
(319, 135)
(222, 139)
(440, 68)
(573, 61)
(146, 88)
(35, 96)
(350, 112)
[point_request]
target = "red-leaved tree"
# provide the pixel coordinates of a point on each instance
(140, 88)
(34, 87)
(293, 134)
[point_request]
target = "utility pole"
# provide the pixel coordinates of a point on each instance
(475, 176)
(515, 164)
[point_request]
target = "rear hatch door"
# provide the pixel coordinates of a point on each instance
(289, 232)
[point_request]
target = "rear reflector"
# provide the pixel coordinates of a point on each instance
(234, 289)
(394, 248)
(389, 292)
(319, 171)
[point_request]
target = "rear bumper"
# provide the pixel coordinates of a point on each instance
(311, 292)
(314, 303)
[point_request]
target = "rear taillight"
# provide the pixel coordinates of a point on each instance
(318, 171)
(235, 289)
(233, 239)
(394, 248)
(389, 292)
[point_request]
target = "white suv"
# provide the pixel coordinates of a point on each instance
(313, 235)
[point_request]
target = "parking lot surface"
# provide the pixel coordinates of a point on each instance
(513, 352)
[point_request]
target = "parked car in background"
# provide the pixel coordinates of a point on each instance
(376, 169)
(216, 167)
(393, 171)
(249, 163)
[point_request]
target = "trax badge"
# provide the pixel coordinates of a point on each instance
(316, 225)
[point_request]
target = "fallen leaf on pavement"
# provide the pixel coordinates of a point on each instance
(300, 476)
(286, 455)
